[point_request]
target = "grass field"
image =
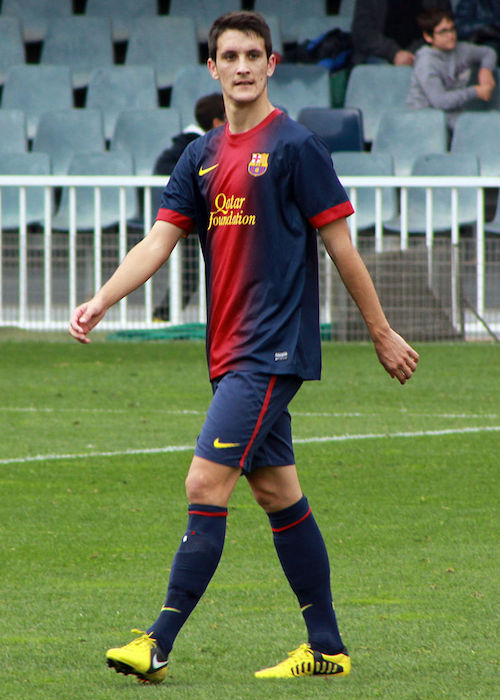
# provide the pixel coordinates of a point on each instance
(95, 442)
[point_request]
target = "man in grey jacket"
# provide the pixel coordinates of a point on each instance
(444, 69)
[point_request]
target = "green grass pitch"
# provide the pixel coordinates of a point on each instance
(95, 443)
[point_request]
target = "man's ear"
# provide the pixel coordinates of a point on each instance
(212, 68)
(271, 65)
(427, 37)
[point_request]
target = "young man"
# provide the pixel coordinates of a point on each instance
(444, 68)
(256, 190)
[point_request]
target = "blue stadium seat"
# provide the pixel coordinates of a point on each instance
(82, 43)
(36, 89)
(440, 164)
(190, 84)
(23, 164)
(295, 86)
(165, 43)
(364, 163)
(123, 14)
(36, 15)
(145, 133)
(478, 133)
(115, 88)
(204, 12)
(13, 138)
(11, 45)
(406, 134)
(291, 13)
(65, 132)
(375, 89)
(106, 163)
(341, 129)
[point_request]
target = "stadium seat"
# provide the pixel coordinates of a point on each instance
(11, 45)
(65, 132)
(341, 129)
(291, 13)
(295, 86)
(22, 164)
(35, 15)
(447, 164)
(165, 43)
(36, 89)
(314, 26)
(190, 84)
(204, 12)
(12, 131)
(116, 88)
(364, 163)
(477, 132)
(375, 89)
(106, 163)
(276, 36)
(82, 43)
(406, 134)
(124, 14)
(346, 8)
(145, 133)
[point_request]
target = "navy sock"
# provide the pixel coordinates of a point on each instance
(193, 566)
(303, 556)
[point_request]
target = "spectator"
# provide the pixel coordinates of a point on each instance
(444, 68)
(209, 113)
(478, 21)
(386, 31)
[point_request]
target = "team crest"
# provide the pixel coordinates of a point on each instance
(258, 164)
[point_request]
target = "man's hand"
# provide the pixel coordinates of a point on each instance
(397, 357)
(403, 58)
(84, 318)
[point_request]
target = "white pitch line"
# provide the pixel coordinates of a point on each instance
(298, 441)
(193, 412)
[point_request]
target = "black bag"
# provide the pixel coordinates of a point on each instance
(332, 49)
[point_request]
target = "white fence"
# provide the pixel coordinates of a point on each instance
(45, 270)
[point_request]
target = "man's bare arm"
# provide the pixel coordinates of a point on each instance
(397, 357)
(140, 263)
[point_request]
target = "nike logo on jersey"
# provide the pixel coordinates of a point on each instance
(204, 171)
(156, 663)
(222, 445)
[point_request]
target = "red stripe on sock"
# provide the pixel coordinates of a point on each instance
(208, 514)
(287, 527)
(262, 413)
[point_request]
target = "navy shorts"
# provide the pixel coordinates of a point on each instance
(248, 424)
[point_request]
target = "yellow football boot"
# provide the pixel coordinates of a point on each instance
(304, 661)
(142, 657)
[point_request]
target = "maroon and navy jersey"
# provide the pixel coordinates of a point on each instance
(256, 200)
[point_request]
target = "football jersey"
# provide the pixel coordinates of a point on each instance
(256, 199)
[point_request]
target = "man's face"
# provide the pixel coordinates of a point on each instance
(241, 66)
(444, 36)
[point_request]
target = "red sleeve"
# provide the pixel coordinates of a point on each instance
(332, 214)
(173, 217)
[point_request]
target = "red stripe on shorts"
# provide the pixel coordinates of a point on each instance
(262, 413)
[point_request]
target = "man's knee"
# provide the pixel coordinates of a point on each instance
(208, 482)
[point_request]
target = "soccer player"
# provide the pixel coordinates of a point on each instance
(256, 189)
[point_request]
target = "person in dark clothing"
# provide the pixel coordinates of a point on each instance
(386, 31)
(209, 113)
(478, 21)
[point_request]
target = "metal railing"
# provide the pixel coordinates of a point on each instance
(44, 272)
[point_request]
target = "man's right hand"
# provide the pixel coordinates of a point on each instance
(84, 318)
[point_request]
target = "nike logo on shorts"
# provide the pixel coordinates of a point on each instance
(222, 445)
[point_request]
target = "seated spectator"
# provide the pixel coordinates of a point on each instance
(478, 21)
(444, 68)
(209, 113)
(386, 31)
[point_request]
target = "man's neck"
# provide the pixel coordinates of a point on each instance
(243, 117)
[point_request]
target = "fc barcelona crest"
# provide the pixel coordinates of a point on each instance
(258, 164)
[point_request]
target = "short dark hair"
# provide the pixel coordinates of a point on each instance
(208, 108)
(244, 21)
(429, 20)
